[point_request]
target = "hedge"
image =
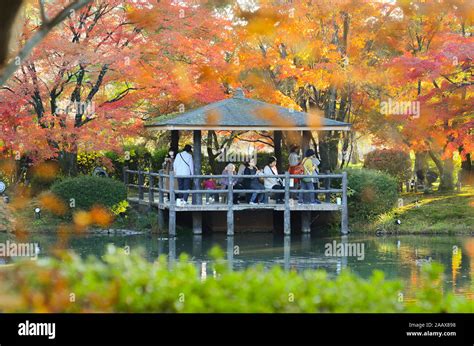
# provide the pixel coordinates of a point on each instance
(88, 191)
(129, 283)
(371, 193)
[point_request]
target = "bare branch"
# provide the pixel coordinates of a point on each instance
(44, 17)
(43, 30)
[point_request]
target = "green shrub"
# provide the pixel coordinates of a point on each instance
(140, 157)
(88, 191)
(371, 193)
(129, 283)
(394, 162)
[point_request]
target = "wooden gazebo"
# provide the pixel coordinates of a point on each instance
(240, 113)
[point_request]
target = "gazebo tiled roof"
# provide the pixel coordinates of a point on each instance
(241, 113)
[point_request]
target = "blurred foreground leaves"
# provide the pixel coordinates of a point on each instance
(129, 283)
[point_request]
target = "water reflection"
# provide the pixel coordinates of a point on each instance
(287, 251)
(230, 252)
(398, 257)
(171, 251)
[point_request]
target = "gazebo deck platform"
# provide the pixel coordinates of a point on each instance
(293, 206)
(157, 191)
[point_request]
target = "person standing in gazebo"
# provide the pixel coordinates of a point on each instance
(307, 183)
(294, 160)
(183, 166)
(295, 167)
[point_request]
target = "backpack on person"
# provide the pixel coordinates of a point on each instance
(306, 179)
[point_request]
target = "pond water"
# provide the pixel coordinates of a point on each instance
(400, 257)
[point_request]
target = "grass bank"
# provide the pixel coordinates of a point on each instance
(25, 219)
(435, 213)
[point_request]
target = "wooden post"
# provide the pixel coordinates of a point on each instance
(286, 213)
(230, 252)
(306, 242)
(197, 246)
(161, 212)
(125, 175)
(197, 160)
(306, 221)
(125, 178)
(171, 252)
(174, 139)
(172, 208)
(230, 205)
(151, 192)
(327, 187)
(140, 184)
(197, 197)
(197, 222)
(344, 212)
(277, 137)
(286, 251)
(344, 253)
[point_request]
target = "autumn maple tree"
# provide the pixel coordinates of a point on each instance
(343, 59)
(90, 84)
(113, 64)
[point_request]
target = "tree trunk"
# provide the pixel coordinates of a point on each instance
(447, 178)
(421, 165)
(346, 154)
(446, 169)
(277, 137)
(328, 140)
(68, 163)
(354, 153)
(174, 139)
(467, 173)
(328, 144)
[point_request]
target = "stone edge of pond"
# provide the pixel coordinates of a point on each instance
(111, 231)
(424, 233)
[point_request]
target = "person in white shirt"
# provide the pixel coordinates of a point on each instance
(183, 166)
(293, 158)
(273, 183)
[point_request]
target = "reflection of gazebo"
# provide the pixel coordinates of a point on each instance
(243, 114)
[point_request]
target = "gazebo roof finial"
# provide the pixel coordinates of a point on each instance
(239, 93)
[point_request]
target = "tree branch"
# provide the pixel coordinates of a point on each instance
(44, 29)
(44, 17)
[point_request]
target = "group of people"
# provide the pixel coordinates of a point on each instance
(260, 180)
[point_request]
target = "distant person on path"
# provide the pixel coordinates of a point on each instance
(183, 166)
(273, 183)
(307, 183)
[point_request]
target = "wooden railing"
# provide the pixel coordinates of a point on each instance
(146, 181)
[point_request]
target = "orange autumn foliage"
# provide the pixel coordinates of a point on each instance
(52, 203)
